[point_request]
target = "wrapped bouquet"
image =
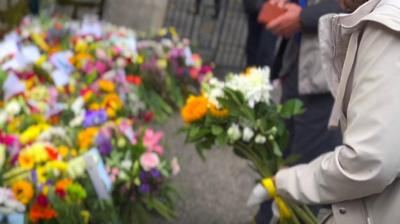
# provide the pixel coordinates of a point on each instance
(239, 112)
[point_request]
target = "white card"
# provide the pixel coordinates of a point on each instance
(91, 28)
(188, 56)
(7, 48)
(31, 53)
(61, 61)
(60, 78)
(257, 196)
(12, 86)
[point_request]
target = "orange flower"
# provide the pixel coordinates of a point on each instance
(39, 212)
(23, 191)
(220, 113)
(85, 138)
(106, 85)
(195, 109)
(63, 184)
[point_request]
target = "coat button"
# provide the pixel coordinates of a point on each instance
(342, 211)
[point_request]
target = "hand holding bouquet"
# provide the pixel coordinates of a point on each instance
(239, 112)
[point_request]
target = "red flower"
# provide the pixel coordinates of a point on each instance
(134, 80)
(42, 200)
(148, 116)
(52, 153)
(61, 193)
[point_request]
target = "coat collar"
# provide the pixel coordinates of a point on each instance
(339, 48)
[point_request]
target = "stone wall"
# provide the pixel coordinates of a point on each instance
(143, 15)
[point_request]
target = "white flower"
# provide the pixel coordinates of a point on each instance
(260, 139)
(234, 132)
(77, 121)
(175, 166)
(126, 164)
(13, 108)
(77, 105)
(248, 133)
(3, 118)
(255, 86)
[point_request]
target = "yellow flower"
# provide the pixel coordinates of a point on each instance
(26, 161)
(41, 174)
(110, 113)
(63, 150)
(23, 191)
(106, 85)
(56, 166)
(139, 59)
(81, 46)
(86, 216)
(195, 109)
(39, 41)
(94, 106)
(32, 133)
(112, 101)
(249, 71)
(219, 113)
(37, 152)
(162, 63)
(13, 126)
(74, 152)
(86, 137)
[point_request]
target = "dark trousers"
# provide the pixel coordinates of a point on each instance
(260, 44)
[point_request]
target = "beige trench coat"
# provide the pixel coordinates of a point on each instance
(361, 52)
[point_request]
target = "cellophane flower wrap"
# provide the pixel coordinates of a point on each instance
(75, 146)
(239, 112)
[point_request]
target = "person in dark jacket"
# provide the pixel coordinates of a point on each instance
(310, 136)
(260, 44)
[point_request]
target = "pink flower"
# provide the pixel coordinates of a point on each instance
(152, 141)
(126, 128)
(101, 67)
(175, 166)
(149, 161)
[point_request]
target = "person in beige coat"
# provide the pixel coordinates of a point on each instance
(361, 55)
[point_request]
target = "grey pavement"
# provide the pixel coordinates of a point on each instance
(212, 191)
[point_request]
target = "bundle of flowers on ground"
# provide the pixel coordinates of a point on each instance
(239, 112)
(169, 71)
(74, 146)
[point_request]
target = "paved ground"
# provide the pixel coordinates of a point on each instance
(214, 191)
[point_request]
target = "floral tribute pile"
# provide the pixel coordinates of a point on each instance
(239, 112)
(76, 103)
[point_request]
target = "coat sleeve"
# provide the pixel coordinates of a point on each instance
(368, 160)
(310, 15)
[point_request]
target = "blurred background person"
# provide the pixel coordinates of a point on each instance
(302, 77)
(260, 43)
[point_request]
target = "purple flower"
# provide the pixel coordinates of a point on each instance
(104, 143)
(93, 118)
(143, 176)
(144, 188)
(155, 173)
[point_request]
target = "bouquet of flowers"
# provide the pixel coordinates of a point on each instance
(239, 112)
(73, 134)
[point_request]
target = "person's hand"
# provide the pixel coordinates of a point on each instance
(279, 3)
(288, 24)
(260, 193)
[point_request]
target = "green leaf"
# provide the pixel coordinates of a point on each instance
(216, 130)
(292, 108)
(276, 149)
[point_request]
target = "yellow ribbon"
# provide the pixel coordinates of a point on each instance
(284, 210)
